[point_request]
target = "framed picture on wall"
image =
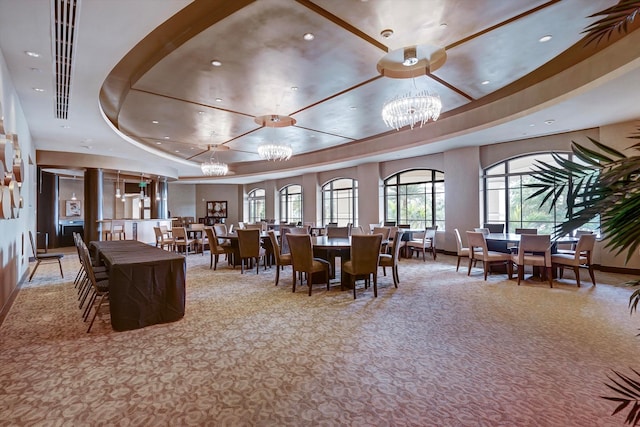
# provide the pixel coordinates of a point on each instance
(217, 209)
(73, 208)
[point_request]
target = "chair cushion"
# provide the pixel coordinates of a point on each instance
(385, 260)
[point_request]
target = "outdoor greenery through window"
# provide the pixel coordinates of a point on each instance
(291, 204)
(506, 197)
(415, 198)
(340, 202)
(256, 200)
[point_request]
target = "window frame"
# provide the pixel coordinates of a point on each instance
(253, 201)
(287, 199)
(334, 215)
(436, 195)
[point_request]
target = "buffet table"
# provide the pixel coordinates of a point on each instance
(146, 284)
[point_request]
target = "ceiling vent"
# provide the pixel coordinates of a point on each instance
(65, 24)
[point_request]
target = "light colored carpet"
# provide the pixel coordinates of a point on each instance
(442, 350)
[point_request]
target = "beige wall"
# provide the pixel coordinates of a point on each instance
(14, 233)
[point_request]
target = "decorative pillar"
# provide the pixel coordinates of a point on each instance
(47, 208)
(92, 204)
(158, 193)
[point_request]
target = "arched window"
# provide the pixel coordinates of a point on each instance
(256, 201)
(340, 202)
(416, 198)
(291, 204)
(506, 196)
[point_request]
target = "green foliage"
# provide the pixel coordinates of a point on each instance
(615, 19)
(601, 182)
(628, 390)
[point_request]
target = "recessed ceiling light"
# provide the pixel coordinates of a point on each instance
(386, 33)
(545, 39)
(166, 137)
(155, 122)
(486, 82)
(532, 125)
(443, 25)
(200, 112)
(216, 63)
(32, 54)
(308, 36)
(158, 143)
(35, 70)
(218, 99)
(177, 151)
(549, 122)
(353, 107)
(38, 89)
(294, 88)
(65, 127)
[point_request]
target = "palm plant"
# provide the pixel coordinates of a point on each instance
(604, 183)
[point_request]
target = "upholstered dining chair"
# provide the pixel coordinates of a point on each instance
(100, 289)
(282, 259)
(534, 250)
(338, 232)
(461, 251)
(494, 227)
(580, 258)
(199, 237)
(116, 229)
(478, 252)
(391, 260)
(250, 248)
(215, 248)
(162, 239)
(423, 242)
(357, 230)
(526, 231)
(181, 239)
(365, 252)
(302, 260)
(40, 258)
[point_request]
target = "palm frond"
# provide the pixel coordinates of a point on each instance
(615, 19)
(628, 393)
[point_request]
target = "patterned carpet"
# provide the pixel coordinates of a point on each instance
(443, 349)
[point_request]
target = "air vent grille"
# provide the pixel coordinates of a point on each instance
(65, 24)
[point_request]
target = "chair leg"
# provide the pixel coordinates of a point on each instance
(549, 276)
(470, 262)
(375, 285)
(34, 269)
(485, 264)
(520, 274)
(277, 274)
(593, 277)
(96, 312)
(576, 270)
(458, 264)
(396, 279)
(353, 285)
(294, 280)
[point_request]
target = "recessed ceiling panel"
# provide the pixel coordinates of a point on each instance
(263, 55)
(357, 114)
(156, 118)
(493, 60)
(421, 21)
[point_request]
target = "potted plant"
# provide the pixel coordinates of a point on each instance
(603, 182)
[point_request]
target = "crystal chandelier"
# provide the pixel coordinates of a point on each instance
(212, 167)
(274, 151)
(417, 106)
(411, 109)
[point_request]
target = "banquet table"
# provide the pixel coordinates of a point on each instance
(146, 284)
